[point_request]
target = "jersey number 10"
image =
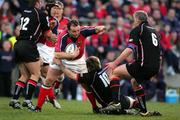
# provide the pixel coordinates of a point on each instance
(24, 22)
(104, 78)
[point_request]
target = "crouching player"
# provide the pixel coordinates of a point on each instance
(97, 86)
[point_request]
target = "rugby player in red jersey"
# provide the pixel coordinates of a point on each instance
(70, 40)
(46, 48)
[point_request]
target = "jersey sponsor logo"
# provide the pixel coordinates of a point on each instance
(79, 43)
(27, 11)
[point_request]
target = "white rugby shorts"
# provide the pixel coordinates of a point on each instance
(77, 66)
(46, 53)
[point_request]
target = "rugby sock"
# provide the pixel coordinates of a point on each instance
(31, 85)
(18, 88)
(91, 98)
(115, 89)
(51, 95)
(42, 95)
(139, 91)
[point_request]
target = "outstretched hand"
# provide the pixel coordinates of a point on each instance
(111, 66)
(100, 29)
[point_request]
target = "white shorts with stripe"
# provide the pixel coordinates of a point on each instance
(46, 53)
(77, 66)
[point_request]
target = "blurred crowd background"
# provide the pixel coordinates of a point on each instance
(116, 15)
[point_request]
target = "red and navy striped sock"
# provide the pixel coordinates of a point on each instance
(139, 91)
(18, 88)
(31, 85)
(115, 89)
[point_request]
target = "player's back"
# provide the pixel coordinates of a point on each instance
(101, 87)
(97, 81)
(30, 25)
(149, 39)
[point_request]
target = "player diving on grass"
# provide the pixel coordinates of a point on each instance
(97, 85)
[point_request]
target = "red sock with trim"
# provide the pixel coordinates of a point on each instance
(44, 91)
(51, 94)
(91, 98)
(115, 89)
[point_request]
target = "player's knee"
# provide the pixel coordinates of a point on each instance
(49, 82)
(114, 77)
(117, 73)
(134, 83)
(24, 78)
(61, 78)
(44, 71)
(35, 77)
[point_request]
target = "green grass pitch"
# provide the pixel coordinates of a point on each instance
(78, 110)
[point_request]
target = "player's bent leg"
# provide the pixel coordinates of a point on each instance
(46, 89)
(121, 71)
(117, 74)
(20, 85)
(57, 84)
(52, 76)
(140, 95)
(34, 69)
(44, 70)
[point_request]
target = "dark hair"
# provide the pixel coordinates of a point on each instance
(93, 63)
(31, 3)
(73, 22)
(141, 15)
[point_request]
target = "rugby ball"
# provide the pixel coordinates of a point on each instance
(70, 48)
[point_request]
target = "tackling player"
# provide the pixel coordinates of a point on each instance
(97, 85)
(144, 43)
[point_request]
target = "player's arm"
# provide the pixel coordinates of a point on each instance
(132, 45)
(90, 30)
(67, 56)
(90, 95)
(46, 28)
(69, 73)
(61, 46)
(126, 52)
(100, 29)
